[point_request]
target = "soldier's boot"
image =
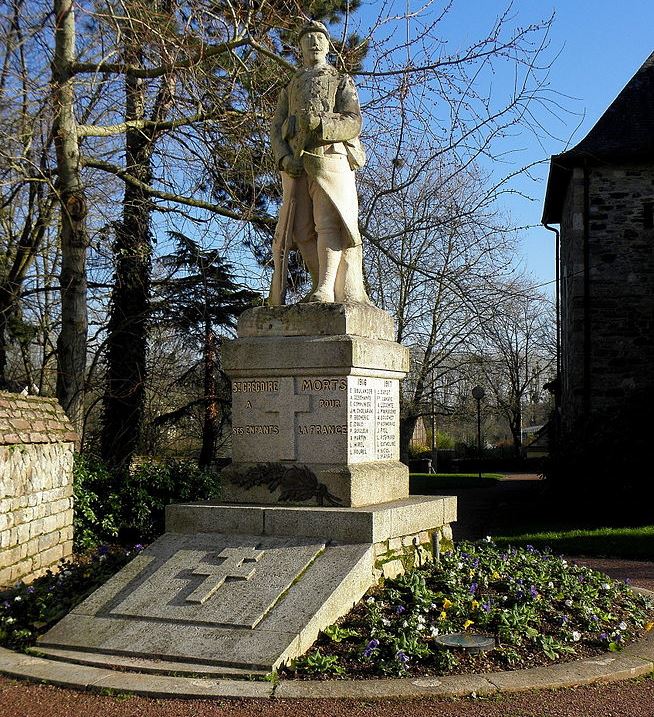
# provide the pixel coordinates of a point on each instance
(350, 288)
(329, 259)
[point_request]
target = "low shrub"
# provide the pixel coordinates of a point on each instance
(130, 508)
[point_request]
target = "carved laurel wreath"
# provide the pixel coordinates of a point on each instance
(296, 483)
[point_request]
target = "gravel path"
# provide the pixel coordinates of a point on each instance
(625, 699)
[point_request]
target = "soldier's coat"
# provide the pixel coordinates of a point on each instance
(331, 153)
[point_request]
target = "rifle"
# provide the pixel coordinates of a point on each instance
(281, 247)
(284, 239)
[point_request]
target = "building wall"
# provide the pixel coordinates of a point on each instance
(36, 486)
(621, 275)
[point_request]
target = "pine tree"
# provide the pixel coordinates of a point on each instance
(201, 301)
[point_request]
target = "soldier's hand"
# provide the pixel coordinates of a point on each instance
(292, 166)
(309, 121)
(313, 121)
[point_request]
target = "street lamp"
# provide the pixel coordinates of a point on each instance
(434, 444)
(478, 393)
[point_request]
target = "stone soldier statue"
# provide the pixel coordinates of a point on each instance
(315, 140)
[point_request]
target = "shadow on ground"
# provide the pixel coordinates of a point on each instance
(523, 503)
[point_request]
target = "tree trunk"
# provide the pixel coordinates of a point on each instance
(71, 344)
(124, 398)
(407, 427)
(211, 406)
(516, 431)
(4, 385)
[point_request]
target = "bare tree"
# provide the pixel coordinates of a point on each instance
(188, 91)
(27, 199)
(516, 348)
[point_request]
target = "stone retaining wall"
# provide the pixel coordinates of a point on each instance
(36, 486)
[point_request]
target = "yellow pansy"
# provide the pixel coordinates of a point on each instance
(649, 626)
(475, 604)
(495, 576)
(443, 615)
(447, 604)
(467, 624)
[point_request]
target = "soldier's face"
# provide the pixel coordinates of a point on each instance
(314, 46)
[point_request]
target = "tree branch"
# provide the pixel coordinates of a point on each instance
(205, 52)
(169, 196)
(89, 130)
(268, 53)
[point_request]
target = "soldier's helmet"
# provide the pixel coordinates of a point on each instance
(312, 26)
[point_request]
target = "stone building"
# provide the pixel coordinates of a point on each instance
(601, 193)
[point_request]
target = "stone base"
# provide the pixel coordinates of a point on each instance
(315, 406)
(369, 524)
(318, 484)
(248, 587)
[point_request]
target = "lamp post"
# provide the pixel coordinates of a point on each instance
(434, 444)
(478, 393)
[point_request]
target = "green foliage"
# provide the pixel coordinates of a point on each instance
(419, 450)
(132, 509)
(318, 664)
(97, 507)
(538, 608)
(27, 611)
(338, 634)
(151, 486)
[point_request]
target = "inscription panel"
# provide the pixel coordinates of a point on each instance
(373, 419)
(322, 434)
(322, 419)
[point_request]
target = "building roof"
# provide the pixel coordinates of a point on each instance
(623, 134)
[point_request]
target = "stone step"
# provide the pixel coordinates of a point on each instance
(146, 665)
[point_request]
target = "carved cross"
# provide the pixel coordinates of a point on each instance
(290, 404)
(236, 565)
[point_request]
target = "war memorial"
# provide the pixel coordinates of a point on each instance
(316, 504)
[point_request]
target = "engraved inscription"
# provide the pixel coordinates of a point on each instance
(373, 414)
(255, 386)
(270, 410)
(321, 430)
(324, 384)
(315, 419)
(361, 419)
(254, 429)
(385, 431)
(236, 565)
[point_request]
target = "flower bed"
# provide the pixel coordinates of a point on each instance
(538, 607)
(29, 610)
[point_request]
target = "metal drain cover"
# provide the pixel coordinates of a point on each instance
(473, 644)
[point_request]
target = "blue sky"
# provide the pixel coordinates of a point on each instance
(597, 45)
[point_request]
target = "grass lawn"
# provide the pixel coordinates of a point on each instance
(628, 543)
(431, 483)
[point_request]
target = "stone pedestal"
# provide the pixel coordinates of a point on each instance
(318, 509)
(315, 406)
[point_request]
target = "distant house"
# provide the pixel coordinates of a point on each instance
(601, 193)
